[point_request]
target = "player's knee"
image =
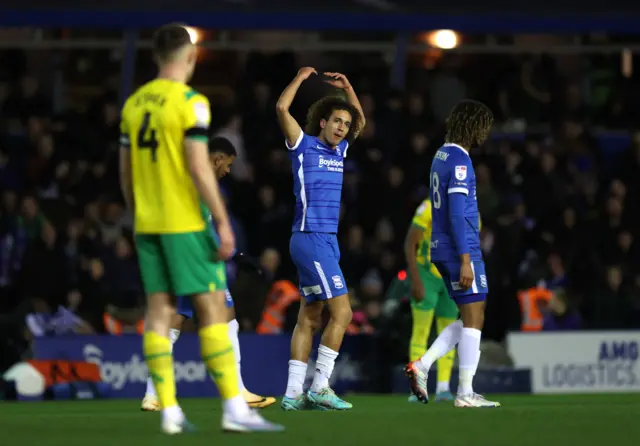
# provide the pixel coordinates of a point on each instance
(160, 306)
(211, 308)
(309, 323)
(310, 316)
(341, 314)
(159, 314)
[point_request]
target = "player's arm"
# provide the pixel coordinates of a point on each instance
(197, 153)
(126, 182)
(457, 192)
(196, 138)
(411, 242)
(290, 127)
(340, 81)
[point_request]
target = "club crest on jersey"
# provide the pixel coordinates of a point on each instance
(461, 172)
(337, 282)
(203, 116)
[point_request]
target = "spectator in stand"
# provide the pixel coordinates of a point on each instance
(45, 322)
(559, 315)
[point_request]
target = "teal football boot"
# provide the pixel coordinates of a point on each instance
(326, 399)
(299, 403)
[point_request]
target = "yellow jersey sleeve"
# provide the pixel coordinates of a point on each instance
(422, 217)
(125, 138)
(197, 116)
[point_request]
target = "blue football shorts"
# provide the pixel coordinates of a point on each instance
(450, 272)
(316, 256)
(184, 305)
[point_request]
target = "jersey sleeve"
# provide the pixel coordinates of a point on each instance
(459, 178)
(197, 118)
(300, 144)
(297, 144)
(344, 148)
(125, 139)
(422, 217)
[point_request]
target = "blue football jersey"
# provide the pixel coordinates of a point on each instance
(452, 173)
(317, 184)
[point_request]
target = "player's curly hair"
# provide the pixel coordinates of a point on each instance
(469, 124)
(323, 108)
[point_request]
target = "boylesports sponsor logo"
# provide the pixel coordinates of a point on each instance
(331, 164)
(120, 373)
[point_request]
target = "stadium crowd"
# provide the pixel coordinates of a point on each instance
(559, 197)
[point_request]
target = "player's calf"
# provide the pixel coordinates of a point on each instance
(340, 318)
(150, 402)
(472, 310)
(320, 394)
(157, 349)
(301, 343)
(472, 314)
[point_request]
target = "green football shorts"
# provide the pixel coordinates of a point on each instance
(180, 264)
(436, 296)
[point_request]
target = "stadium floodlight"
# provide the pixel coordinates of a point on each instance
(194, 34)
(444, 39)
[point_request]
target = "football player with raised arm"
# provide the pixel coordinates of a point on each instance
(317, 155)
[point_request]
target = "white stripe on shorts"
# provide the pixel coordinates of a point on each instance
(474, 285)
(323, 279)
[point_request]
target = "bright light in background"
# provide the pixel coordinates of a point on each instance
(194, 34)
(445, 39)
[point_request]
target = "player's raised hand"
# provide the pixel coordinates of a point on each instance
(305, 72)
(338, 80)
(227, 241)
(417, 290)
(466, 275)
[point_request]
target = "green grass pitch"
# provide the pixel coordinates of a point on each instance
(580, 420)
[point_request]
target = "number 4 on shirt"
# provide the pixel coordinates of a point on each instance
(147, 136)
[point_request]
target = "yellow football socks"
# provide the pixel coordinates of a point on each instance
(445, 363)
(157, 354)
(217, 355)
(422, 320)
